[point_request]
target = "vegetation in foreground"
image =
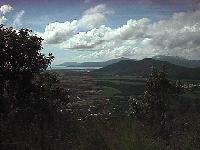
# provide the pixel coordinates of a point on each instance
(42, 110)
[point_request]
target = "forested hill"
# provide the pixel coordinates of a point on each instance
(144, 67)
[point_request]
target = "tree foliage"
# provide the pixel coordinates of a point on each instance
(154, 106)
(20, 60)
(31, 99)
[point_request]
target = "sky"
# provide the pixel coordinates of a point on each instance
(99, 30)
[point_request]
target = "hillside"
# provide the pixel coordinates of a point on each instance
(144, 67)
(179, 61)
(93, 64)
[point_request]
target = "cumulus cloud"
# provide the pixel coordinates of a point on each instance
(18, 18)
(4, 9)
(87, 40)
(58, 32)
(93, 17)
(2, 19)
(177, 35)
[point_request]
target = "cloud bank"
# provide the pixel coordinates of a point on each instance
(177, 35)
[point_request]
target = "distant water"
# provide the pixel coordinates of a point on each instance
(74, 68)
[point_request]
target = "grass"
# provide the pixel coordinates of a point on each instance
(131, 135)
(110, 77)
(109, 91)
(125, 89)
(119, 82)
(116, 134)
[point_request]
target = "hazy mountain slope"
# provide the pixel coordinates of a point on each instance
(93, 64)
(179, 61)
(144, 67)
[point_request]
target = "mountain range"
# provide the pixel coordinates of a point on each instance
(177, 67)
(179, 61)
(171, 59)
(144, 67)
(93, 64)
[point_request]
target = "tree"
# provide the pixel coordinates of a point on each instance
(20, 60)
(31, 100)
(154, 105)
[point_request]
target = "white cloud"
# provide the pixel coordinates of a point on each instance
(4, 9)
(57, 32)
(94, 16)
(60, 32)
(2, 19)
(177, 35)
(18, 18)
(133, 29)
(86, 40)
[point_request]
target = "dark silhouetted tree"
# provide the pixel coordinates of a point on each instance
(20, 60)
(154, 105)
(31, 100)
